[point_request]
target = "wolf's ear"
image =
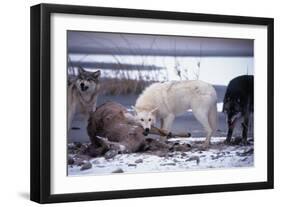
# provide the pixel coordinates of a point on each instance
(81, 70)
(96, 74)
(154, 110)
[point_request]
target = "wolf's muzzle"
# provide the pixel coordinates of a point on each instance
(146, 131)
(83, 87)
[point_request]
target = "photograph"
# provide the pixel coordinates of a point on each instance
(148, 103)
(129, 103)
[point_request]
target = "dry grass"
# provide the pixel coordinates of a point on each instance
(116, 86)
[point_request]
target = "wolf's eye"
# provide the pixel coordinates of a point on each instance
(149, 119)
(142, 119)
(89, 79)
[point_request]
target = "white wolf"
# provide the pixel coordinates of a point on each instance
(170, 99)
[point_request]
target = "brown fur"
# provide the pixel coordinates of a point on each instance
(108, 121)
(111, 132)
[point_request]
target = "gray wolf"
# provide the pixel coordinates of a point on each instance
(238, 103)
(170, 99)
(82, 94)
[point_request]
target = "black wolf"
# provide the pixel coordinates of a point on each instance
(238, 103)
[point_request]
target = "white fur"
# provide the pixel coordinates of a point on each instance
(171, 99)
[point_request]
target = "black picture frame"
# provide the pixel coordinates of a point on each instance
(41, 98)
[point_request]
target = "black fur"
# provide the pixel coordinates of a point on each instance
(239, 98)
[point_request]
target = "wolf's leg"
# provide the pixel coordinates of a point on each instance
(94, 107)
(161, 123)
(213, 117)
(167, 123)
(201, 114)
(69, 118)
(229, 132)
(245, 128)
(70, 115)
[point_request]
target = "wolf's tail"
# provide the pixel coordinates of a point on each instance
(212, 117)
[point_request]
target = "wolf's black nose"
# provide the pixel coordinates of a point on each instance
(146, 130)
(83, 87)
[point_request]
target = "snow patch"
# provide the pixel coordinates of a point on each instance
(219, 155)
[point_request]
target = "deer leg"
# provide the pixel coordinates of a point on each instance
(163, 132)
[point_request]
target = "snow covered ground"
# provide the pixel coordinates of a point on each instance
(218, 155)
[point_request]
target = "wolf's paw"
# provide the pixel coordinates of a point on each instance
(227, 142)
(245, 143)
(163, 139)
(169, 135)
(205, 146)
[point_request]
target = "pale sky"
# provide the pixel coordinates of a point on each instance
(214, 60)
(214, 70)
